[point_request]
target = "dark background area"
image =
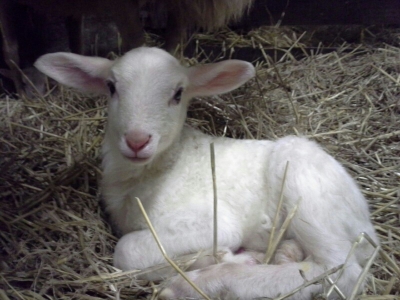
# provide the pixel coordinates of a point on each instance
(37, 32)
(323, 12)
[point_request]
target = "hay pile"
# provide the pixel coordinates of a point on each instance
(54, 240)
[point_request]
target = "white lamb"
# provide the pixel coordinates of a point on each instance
(149, 153)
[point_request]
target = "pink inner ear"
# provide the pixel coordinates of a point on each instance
(219, 78)
(225, 78)
(83, 80)
(94, 82)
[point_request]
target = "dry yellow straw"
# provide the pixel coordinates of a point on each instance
(270, 249)
(215, 236)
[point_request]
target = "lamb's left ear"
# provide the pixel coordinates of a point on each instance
(218, 78)
(85, 73)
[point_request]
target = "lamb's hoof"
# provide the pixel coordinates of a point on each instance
(177, 287)
(167, 293)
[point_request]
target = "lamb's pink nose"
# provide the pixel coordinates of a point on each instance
(137, 140)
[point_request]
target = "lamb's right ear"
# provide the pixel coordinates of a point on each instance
(218, 78)
(85, 73)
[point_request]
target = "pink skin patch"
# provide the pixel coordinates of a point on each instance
(240, 250)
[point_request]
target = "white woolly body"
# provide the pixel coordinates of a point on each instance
(149, 153)
(180, 183)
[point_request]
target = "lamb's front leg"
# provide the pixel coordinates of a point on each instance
(138, 250)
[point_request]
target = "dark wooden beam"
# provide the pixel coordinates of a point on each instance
(322, 12)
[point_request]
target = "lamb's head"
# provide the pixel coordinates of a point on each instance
(149, 93)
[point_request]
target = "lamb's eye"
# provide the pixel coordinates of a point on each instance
(178, 95)
(111, 87)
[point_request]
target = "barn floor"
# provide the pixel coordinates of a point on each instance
(55, 242)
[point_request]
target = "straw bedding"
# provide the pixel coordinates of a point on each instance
(55, 242)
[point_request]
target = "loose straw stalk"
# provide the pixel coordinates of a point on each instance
(214, 177)
(270, 249)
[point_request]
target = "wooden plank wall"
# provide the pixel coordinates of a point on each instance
(322, 12)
